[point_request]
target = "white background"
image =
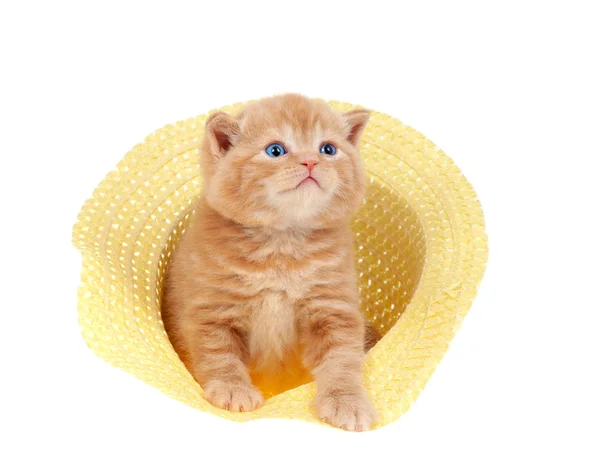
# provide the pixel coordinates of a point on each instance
(510, 91)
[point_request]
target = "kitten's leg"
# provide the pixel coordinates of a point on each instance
(333, 350)
(217, 357)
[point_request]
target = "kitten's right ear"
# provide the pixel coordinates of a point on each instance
(221, 133)
(355, 121)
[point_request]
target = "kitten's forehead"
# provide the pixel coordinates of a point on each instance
(294, 117)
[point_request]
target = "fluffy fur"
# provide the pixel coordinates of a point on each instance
(264, 274)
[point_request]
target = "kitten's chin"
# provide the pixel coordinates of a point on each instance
(304, 207)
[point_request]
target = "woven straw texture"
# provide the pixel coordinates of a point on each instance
(421, 251)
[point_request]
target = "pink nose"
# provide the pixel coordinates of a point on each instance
(310, 163)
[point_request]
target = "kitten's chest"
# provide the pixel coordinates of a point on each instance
(292, 285)
(273, 333)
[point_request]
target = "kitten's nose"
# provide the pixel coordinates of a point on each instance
(310, 163)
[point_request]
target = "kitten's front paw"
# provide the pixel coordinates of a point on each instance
(351, 411)
(233, 397)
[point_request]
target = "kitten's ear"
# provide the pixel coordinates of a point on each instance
(221, 132)
(355, 122)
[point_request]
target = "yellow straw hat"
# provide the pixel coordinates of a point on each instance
(421, 250)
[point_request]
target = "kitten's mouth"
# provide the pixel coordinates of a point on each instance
(308, 181)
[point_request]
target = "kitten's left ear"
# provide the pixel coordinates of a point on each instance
(222, 130)
(355, 122)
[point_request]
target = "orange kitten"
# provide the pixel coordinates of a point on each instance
(265, 272)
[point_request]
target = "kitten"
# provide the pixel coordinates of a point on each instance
(265, 271)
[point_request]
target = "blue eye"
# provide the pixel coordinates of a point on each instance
(275, 150)
(328, 149)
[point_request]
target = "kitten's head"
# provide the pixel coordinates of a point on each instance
(286, 161)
